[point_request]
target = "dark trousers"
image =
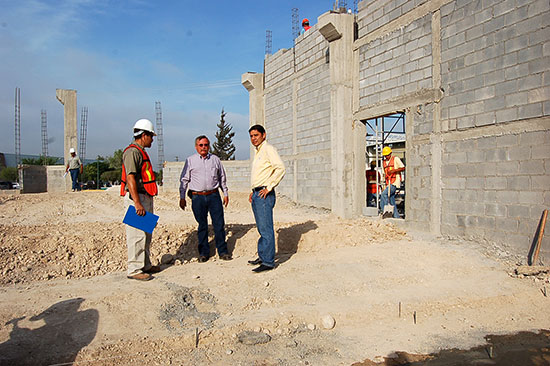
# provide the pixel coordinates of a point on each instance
(201, 205)
(74, 178)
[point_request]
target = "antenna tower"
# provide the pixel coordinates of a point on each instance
(355, 6)
(295, 23)
(44, 119)
(160, 139)
(83, 132)
(268, 42)
(17, 126)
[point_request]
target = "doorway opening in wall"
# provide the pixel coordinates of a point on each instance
(385, 131)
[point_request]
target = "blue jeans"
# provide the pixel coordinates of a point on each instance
(384, 200)
(263, 214)
(201, 205)
(74, 178)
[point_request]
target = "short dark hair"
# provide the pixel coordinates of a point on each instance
(198, 138)
(258, 128)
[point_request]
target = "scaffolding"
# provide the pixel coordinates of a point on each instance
(383, 131)
(18, 126)
(160, 139)
(44, 120)
(295, 24)
(268, 42)
(83, 132)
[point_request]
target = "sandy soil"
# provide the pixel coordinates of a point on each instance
(65, 298)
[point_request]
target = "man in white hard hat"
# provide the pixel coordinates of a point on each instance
(74, 166)
(138, 188)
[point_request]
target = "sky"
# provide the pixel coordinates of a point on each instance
(122, 56)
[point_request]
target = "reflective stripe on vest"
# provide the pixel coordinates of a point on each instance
(147, 174)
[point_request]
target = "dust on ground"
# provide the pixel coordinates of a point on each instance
(65, 297)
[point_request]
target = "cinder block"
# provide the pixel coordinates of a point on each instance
(541, 183)
(495, 209)
(507, 168)
(531, 167)
(533, 198)
(495, 183)
(494, 155)
(518, 183)
(475, 182)
(517, 211)
(507, 224)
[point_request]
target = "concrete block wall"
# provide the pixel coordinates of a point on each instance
(396, 64)
(55, 180)
(495, 57)
(374, 14)
(313, 110)
(278, 66)
(279, 108)
(313, 175)
(33, 179)
(237, 173)
(496, 187)
(478, 155)
(310, 48)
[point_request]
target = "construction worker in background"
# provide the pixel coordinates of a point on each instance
(371, 184)
(74, 166)
(305, 26)
(138, 188)
(393, 166)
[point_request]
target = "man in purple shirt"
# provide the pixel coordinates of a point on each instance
(203, 174)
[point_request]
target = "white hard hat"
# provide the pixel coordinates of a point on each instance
(71, 150)
(143, 125)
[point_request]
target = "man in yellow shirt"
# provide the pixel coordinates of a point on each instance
(267, 171)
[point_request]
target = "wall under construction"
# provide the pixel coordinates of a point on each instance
(473, 78)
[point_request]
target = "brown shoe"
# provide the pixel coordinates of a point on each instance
(226, 257)
(203, 259)
(140, 277)
(153, 269)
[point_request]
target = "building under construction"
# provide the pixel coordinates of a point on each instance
(472, 79)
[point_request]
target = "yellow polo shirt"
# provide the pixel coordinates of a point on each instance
(267, 167)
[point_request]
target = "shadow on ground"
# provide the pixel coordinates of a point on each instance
(523, 348)
(65, 332)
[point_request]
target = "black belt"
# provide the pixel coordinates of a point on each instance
(258, 188)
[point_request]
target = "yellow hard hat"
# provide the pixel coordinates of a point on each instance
(386, 151)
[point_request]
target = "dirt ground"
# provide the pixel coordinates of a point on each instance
(391, 292)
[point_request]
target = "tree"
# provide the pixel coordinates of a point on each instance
(223, 147)
(115, 161)
(9, 174)
(49, 160)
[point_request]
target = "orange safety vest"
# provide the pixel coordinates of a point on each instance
(147, 174)
(371, 181)
(390, 178)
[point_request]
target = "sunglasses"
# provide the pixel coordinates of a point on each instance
(203, 145)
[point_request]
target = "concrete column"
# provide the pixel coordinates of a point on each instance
(346, 155)
(68, 99)
(435, 137)
(254, 83)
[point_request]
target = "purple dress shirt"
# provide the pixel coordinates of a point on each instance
(203, 174)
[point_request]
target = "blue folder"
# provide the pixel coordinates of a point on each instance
(146, 223)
